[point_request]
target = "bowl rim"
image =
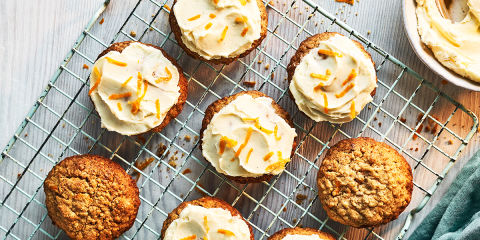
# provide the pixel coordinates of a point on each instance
(425, 54)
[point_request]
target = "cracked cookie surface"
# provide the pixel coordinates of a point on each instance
(364, 183)
(91, 197)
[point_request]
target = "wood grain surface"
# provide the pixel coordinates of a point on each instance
(36, 35)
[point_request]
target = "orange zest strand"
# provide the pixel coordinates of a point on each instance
(243, 2)
(351, 76)
(99, 77)
(193, 237)
(226, 142)
(350, 86)
(257, 125)
(208, 26)
(244, 32)
(247, 137)
(167, 78)
(268, 156)
(224, 34)
(352, 110)
(119, 105)
(226, 232)
(194, 18)
(248, 154)
(329, 53)
(136, 103)
(139, 83)
(118, 63)
(320, 76)
(242, 19)
(157, 106)
(275, 133)
(215, 1)
(126, 82)
(325, 102)
(213, 15)
(120, 95)
(318, 87)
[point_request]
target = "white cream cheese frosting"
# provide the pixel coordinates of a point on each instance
(301, 237)
(247, 138)
(196, 222)
(218, 28)
(333, 82)
(456, 45)
(133, 90)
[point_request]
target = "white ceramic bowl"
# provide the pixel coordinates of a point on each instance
(425, 54)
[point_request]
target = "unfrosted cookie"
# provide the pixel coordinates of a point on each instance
(301, 234)
(206, 218)
(248, 137)
(137, 87)
(91, 197)
(364, 183)
(218, 31)
(331, 78)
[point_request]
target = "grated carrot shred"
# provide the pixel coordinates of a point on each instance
(244, 32)
(350, 86)
(226, 142)
(136, 103)
(224, 34)
(212, 15)
(329, 53)
(157, 106)
(116, 62)
(248, 154)
(277, 165)
(205, 223)
(208, 26)
(226, 232)
(97, 82)
(193, 237)
(139, 83)
(167, 7)
(167, 78)
(126, 82)
(242, 19)
(351, 76)
(320, 76)
(318, 87)
(120, 95)
(275, 133)
(215, 1)
(257, 125)
(243, 2)
(194, 18)
(268, 156)
(119, 105)
(352, 110)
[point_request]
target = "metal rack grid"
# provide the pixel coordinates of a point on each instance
(62, 122)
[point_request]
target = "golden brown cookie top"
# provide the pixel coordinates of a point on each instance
(364, 183)
(297, 234)
(91, 197)
(217, 218)
(247, 136)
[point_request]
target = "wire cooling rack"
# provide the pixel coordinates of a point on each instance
(62, 122)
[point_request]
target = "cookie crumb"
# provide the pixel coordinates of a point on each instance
(271, 3)
(133, 34)
(267, 66)
(450, 142)
(444, 82)
(25, 135)
(260, 62)
(167, 7)
(300, 198)
(186, 171)
(249, 83)
(85, 66)
(141, 139)
(19, 175)
(369, 32)
(161, 149)
(196, 138)
(101, 21)
(187, 138)
(284, 209)
(403, 120)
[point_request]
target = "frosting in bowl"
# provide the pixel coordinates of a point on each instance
(247, 138)
(454, 44)
(217, 29)
(196, 222)
(133, 90)
(334, 81)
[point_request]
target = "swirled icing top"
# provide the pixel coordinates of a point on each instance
(218, 28)
(133, 90)
(333, 81)
(196, 222)
(247, 138)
